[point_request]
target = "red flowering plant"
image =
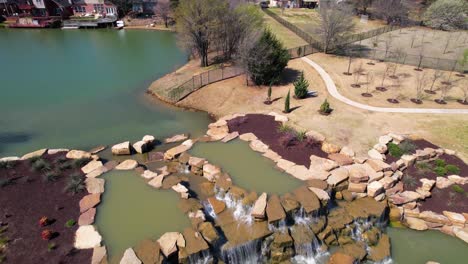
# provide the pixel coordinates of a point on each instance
(46, 234)
(43, 221)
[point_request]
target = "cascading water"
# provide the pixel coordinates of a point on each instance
(208, 209)
(248, 253)
(280, 227)
(241, 212)
(203, 257)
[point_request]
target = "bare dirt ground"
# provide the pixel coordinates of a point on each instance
(402, 88)
(347, 125)
(429, 42)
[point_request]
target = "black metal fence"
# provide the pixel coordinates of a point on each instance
(418, 61)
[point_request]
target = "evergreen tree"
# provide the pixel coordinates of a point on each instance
(267, 59)
(301, 86)
(287, 108)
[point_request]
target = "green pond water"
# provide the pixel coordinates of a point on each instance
(415, 247)
(248, 169)
(82, 88)
(79, 89)
(131, 211)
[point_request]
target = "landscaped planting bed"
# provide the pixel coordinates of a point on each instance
(293, 146)
(39, 210)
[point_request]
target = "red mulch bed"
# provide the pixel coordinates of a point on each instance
(441, 199)
(266, 129)
(26, 200)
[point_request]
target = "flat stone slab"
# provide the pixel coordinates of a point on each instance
(34, 154)
(248, 137)
(55, 151)
(127, 165)
(321, 194)
(86, 237)
(341, 159)
(157, 181)
(99, 253)
(89, 201)
(141, 146)
(321, 164)
(87, 218)
(176, 138)
(130, 257)
(307, 199)
(78, 154)
(338, 176)
(194, 242)
(258, 145)
(230, 137)
(210, 172)
(91, 166)
(258, 210)
(176, 151)
(97, 172)
(95, 185)
(217, 205)
(218, 133)
(147, 174)
(169, 242)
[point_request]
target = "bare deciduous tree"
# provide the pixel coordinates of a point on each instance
(444, 90)
(357, 72)
(335, 22)
(369, 80)
(421, 81)
(388, 67)
(388, 43)
(399, 55)
(163, 10)
(392, 11)
(436, 75)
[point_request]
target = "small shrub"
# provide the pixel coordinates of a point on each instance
(441, 171)
(46, 234)
(7, 164)
(395, 150)
(287, 107)
(41, 165)
(423, 166)
(407, 146)
(75, 184)
(310, 142)
(44, 221)
(51, 246)
(61, 160)
(51, 176)
(283, 128)
(301, 135)
(457, 189)
(236, 122)
(301, 86)
(70, 223)
(409, 180)
(65, 166)
(452, 169)
(325, 108)
(287, 140)
(439, 163)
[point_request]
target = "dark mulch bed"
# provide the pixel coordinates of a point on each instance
(266, 129)
(442, 199)
(418, 143)
(29, 197)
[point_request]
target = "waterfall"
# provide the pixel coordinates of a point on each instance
(208, 209)
(202, 257)
(248, 253)
(241, 212)
(301, 217)
(280, 226)
(311, 253)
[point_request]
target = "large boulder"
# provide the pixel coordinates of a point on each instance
(218, 133)
(378, 165)
(170, 241)
(95, 185)
(416, 223)
(433, 217)
(289, 202)
(301, 172)
(157, 181)
(208, 232)
(455, 218)
(34, 154)
(230, 137)
(176, 151)
(321, 164)
(176, 138)
(211, 172)
(130, 257)
(461, 233)
(258, 145)
(341, 159)
(374, 154)
(274, 210)
(141, 146)
(91, 166)
(89, 201)
(248, 137)
(316, 136)
(330, 148)
(87, 218)
(338, 176)
(341, 258)
(321, 194)
(258, 210)
(122, 148)
(87, 237)
(358, 173)
(194, 242)
(404, 197)
(381, 251)
(148, 251)
(375, 188)
(99, 254)
(217, 205)
(307, 199)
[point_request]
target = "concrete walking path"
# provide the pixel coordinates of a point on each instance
(331, 87)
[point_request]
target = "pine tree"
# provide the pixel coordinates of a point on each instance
(301, 86)
(287, 109)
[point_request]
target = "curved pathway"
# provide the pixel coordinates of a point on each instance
(331, 87)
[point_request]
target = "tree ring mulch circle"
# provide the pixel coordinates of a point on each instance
(381, 88)
(356, 85)
(418, 69)
(439, 101)
(463, 102)
(393, 101)
(284, 112)
(459, 75)
(416, 101)
(366, 94)
(429, 92)
(446, 83)
(347, 73)
(267, 102)
(323, 113)
(370, 63)
(393, 77)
